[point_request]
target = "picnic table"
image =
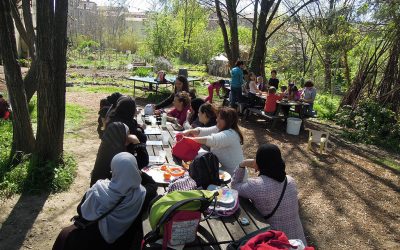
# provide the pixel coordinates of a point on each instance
(151, 80)
(213, 233)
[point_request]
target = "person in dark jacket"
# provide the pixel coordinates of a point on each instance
(106, 105)
(181, 84)
(114, 141)
(125, 112)
(122, 227)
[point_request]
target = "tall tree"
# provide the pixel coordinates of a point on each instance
(268, 9)
(52, 48)
(231, 42)
(23, 139)
(25, 28)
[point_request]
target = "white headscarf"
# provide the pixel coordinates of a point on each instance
(104, 194)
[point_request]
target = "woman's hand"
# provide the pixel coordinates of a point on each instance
(191, 132)
(249, 163)
(132, 139)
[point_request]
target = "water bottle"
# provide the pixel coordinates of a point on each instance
(164, 119)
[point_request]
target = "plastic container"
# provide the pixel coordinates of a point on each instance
(293, 126)
(164, 120)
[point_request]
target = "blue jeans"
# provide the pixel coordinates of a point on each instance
(236, 96)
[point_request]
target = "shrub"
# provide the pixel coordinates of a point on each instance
(87, 45)
(127, 42)
(371, 123)
(140, 71)
(326, 106)
(162, 63)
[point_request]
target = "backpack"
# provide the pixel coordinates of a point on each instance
(175, 217)
(204, 170)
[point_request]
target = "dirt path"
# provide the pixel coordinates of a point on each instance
(346, 199)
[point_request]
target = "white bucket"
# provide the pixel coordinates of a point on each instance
(293, 126)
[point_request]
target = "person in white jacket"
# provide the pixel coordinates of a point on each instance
(225, 140)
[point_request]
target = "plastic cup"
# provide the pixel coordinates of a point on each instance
(162, 154)
(153, 121)
(165, 137)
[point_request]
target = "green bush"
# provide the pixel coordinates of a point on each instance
(87, 45)
(371, 123)
(326, 106)
(140, 71)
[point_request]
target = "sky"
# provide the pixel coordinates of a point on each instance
(134, 5)
(143, 5)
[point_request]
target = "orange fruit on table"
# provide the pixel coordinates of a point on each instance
(167, 176)
(163, 167)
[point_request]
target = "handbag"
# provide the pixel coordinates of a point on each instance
(185, 149)
(81, 223)
(279, 201)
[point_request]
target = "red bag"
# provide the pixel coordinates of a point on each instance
(185, 149)
(6, 115)
(270, 240)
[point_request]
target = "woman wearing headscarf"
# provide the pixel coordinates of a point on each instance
(124, 198)
(114, 141)
(125, 112)
(266, 189)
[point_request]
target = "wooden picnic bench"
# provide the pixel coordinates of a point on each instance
(214, 233)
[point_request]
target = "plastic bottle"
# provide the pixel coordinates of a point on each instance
(164, 120)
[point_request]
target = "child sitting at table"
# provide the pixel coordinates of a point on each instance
(270, 103)
(294, 93)
(253, 90)
(284, 93)
(181, 106)
(260, 84)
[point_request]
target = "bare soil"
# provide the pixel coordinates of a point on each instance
(347, 199)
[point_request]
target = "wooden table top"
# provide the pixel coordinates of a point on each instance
(215, 233)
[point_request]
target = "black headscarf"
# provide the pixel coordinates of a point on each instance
(270, 163)
(125, 112)
(195, 104)
(113, 98)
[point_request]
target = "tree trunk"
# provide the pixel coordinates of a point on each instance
(233, 27)
(389, 87)
(51, 59)
(254, 29)
(23, 139)
(327, 71)
(222, 25)
(256, 65)
(346, 69)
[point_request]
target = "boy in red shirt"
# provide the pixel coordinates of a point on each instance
(270, 103)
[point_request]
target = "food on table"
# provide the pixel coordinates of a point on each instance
(167, 176)
(164, 167)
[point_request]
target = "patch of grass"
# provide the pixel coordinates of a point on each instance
(32, 176)
(5, 144)
(74, 114)
(387, 162)
(100, 89)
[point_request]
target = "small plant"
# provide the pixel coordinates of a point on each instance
(140, 71)
(162, 63)
(24, 62)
